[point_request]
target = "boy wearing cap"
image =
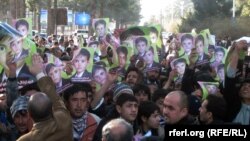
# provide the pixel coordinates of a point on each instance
(126, 107)
(19, 113)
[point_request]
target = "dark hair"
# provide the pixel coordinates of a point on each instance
(154, 30)
(140, 87)
(180, 60)
(101, 21)
(217, 106)
(160, 93)
(141, 39)
(211, 47)
(219, 49)
(75, 88)
(48, 67)
(29, 87)
(132, 68)
(199, 38)
(146, 109)
(84, 52)
(124, 97)
(151, 49)
(22, 22)
(186, 36)
(221, 66)
(123, 50)
(98, 67)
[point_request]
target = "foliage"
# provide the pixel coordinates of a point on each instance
(217, 16)
(246, 9)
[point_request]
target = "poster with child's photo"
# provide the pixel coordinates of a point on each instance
(179, 65)
(201, 48)
(187, 42)
(100, 26)
(12, 47)
(219, 57)
(121, 62)
(155, 35)
(208, 88)
(24, 26)
(82, 62)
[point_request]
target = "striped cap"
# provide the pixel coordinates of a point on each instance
(120, 88)
(21, 103)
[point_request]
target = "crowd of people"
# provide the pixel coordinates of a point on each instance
(106, 88)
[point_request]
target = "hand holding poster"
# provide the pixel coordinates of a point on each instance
(209, 88)
(12, 41)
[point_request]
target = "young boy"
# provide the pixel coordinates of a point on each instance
(80, 62)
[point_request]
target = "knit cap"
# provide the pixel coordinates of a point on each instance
(120, 88)
(21, 103)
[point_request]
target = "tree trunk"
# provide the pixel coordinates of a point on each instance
(13, 8)
(17, 8)
(38, 18)
(50, 23)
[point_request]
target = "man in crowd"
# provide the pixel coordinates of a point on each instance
(47, 110)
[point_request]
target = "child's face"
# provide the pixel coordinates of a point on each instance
(16, 46)
(153, 37)
(122, 59)
(80, 63)
(187, 45)
(219, 56)
(100, 76)
(55, 74)
(199, 47)
(141, 47)
(100, 29)
(180, 68)
(212, 89)
(23, 30)
(149, 57)
(221, 74)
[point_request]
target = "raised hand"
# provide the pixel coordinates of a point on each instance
(37, 64)
(11, 65)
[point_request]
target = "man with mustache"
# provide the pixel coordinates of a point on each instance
(84, 123)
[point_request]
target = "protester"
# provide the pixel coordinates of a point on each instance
(47, 110)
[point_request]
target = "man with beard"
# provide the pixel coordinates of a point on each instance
(84, 123)
(212, 110)
(133, 76)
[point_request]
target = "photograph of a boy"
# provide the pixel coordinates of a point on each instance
(22, 26)
(149, 59)
(218, 57)
(97, 53)
(187, 43)
(179, 65)
(153, 34)
(55, 73)
(141, 45)
(17, 49)
(80, 63)
(200, 49)
(100, 28)
(122, 55)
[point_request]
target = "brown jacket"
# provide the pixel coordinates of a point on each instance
(57, 128)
